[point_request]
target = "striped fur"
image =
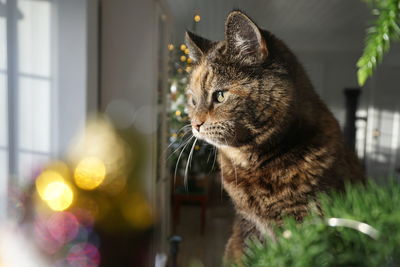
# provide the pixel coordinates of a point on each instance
(278, 143)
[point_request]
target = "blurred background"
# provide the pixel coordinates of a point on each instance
(92, 121)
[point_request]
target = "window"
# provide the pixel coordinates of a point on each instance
(26, 91)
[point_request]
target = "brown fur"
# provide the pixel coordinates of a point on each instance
(278, 144)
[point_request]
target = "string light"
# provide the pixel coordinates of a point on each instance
(89, 173)
(183, 58)
(58, 196)
(197, 18)
(54, 190)
(183, 47)
(171, 47)
(189, 60)
(186, 51)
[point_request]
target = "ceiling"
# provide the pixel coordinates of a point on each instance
(303, 24)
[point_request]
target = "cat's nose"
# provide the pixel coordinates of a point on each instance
(196, 124)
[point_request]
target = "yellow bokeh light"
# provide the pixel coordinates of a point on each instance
(189, 60)
(138, 212)
(178, 112)
(58, 195)
(89, 173)
(187, 51)
(180, 70)
(45, 178)
(197, 18)
(183, 58)
(170, 47)
(188, 69)
(183, 47)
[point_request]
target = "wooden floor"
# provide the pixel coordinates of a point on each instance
(205, 250)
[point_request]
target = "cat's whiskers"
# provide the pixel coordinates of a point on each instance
(179, 157)
(188, 162)
(185, 127)
(180, 145)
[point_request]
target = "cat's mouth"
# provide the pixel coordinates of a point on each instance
(223, 135)
(208, 138)
(216, 135)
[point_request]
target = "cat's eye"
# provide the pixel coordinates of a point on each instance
(218, 96)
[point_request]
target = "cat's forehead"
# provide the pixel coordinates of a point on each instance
(199, 77)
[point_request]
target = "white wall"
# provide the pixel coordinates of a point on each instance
(332, 71)
(75, 60)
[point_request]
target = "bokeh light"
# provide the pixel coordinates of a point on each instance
(197, 18)
(43, 237)
(45, 178)
(183, 47)
(137, 211)
(84, 255)
(63, 226)
(54, 190)
(58, 196)
(90, 173)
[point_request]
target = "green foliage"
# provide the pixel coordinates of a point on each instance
(316, 243)
(384, 30)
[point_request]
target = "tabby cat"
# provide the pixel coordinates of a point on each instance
(278, 144)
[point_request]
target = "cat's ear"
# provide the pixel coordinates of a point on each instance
(244, 38)
(197, 45)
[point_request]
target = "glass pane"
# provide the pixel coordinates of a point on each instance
(3, 111)
(34, 114)
(3, 37)
(3, 181)
(3, 79)
(34, 37)
(29, 165)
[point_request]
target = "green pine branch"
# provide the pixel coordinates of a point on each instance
(361, 227)
(385, 29)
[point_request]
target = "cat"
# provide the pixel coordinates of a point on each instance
(278, 144)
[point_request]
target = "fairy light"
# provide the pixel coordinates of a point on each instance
(187, 51)
(90, 173)
(58, 196)
(189, 60)
(183, 58)
(54, 190)
(183, 47)
(197, 18)
(171, 47)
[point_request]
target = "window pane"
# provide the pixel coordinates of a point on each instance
(34, 114)
(34, 37)
(3, 111)
(29, 165)
(3, 181)
(3, 38)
